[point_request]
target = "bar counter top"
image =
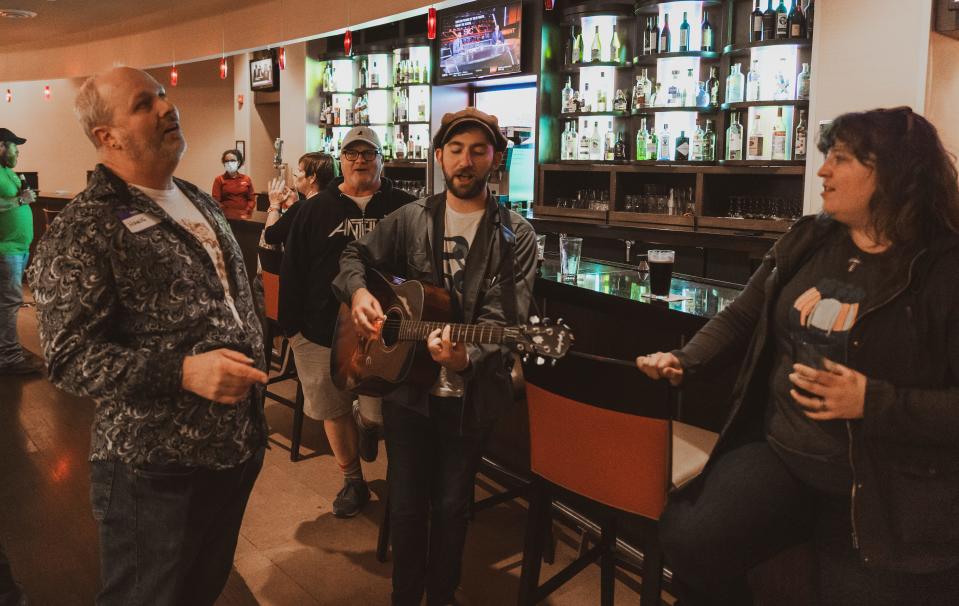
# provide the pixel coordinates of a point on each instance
(705, 299)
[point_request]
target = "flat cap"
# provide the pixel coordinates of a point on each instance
(486, 122)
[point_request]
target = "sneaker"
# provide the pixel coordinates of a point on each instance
(351, 498)
(30, 364)
(369, 436)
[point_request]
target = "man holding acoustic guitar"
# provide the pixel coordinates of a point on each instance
(482, 258)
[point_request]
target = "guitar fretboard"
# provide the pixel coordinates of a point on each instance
(410, 330)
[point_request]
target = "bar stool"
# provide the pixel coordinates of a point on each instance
(588, 439)
(287, 364)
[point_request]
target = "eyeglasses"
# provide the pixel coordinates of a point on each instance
(368, 154)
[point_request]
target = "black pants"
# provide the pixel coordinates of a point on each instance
(752, 507)
(9, 591)
(167, 533)
(431, 472)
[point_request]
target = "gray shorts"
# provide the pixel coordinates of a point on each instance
(322, 399)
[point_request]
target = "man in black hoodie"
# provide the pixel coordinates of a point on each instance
(345, 210)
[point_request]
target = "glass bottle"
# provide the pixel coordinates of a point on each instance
(564, 141)
(664, 145)
(586, 101)
(615, 48)
(421, 109)
(756, 24)
(712, 87)
(696, 146)
(596, 50)
(399, 147)
(734, 85)
(684, 35)
(601, 100)
(682, 147)
(654, 37)
(734, 138)
(702, 97)
(652, 145)
(568, 95)
(782, 92)
(689, 89)
(810, 16)
(646, 33)
(640, 94)
(363, 73)
(656, 97)
(374, 77)
(621, 151)
(796, 21)
(595, 144)
(752, 82)
(665, 45)
(674, 92)
(642, 141)
(755, 144)
(802, 82)
(609, 144)
(709, 40)
(584, 145)
(782, 21)
(577, 56)
(709, 142)
(799, 138)
(769, 22)
(779, 149)
(619, 103)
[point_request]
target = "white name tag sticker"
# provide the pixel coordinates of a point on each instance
(140, 221)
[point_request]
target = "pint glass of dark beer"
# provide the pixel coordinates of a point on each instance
(660, 271)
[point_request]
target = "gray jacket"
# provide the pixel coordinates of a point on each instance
(403, 245)
(118, 312)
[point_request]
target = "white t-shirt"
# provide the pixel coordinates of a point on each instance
(182, 210)
(361, 201)
(458, 234)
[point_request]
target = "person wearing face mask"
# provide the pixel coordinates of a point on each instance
(234, 190)
(348, 208)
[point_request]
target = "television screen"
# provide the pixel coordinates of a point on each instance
(262, 73)
(480, 43)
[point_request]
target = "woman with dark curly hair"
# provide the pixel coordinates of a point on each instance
(234, 190)
(844, 430)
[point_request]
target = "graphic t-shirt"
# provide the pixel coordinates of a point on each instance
(814, 315)
(458, 234)
(182, 210)
(16, 224)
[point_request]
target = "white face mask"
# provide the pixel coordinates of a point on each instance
(231, 166)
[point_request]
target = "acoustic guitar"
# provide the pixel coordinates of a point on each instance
(413, 309)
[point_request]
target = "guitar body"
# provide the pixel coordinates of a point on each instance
(376, 367)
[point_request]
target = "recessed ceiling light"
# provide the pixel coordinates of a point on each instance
(16, 13)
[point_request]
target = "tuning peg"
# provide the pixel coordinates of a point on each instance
(540, 361)
(552, 363)
(534, 320)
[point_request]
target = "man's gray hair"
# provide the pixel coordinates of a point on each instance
(91, 109)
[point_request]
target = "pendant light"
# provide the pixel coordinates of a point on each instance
(431, 24)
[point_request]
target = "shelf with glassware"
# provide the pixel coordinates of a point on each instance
(411, 109)
(331, 81)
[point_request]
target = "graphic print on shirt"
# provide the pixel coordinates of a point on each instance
(820, 321)
(455, 250)
(354, 228)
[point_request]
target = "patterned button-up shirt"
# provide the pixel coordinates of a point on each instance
(119, 309)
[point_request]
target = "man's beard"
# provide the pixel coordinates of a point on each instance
(472, 190)
(156, 152)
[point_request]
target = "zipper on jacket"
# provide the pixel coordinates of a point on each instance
(852, 492)
(912, 265)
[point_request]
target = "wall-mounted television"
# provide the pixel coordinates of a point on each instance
(264, 72)
(480, 43)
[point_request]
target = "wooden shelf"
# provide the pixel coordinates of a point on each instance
(747, 225)
(764, 163)
(771, 103)
(405, 164)
(742, 50)
(651, 7)
(411, 122)
(364, 89)
(411, 84)
(575, 67)
(336, 92)
(646, 111)
(653, 59)
(620, 216)
(570, 213)
(724, 167)
(571, 115)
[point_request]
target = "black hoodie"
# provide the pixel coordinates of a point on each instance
(325, 224)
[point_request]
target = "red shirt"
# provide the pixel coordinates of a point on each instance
(235, 194)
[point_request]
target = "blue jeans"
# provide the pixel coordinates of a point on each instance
(430, 471)
(167, 533)
(11, 298)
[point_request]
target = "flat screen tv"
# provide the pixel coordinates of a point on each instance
(264, 75)
(480, 43)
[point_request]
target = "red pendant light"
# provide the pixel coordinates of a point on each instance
(431, 24)
(46, 92)
(348, 42)
(174, 76)
(281, 57)
(9, 96)
(224, 68)
(549, 4)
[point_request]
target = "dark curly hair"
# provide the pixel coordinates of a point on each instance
(917, 187)
(235, 152)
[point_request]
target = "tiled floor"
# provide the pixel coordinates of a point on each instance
(292, 551)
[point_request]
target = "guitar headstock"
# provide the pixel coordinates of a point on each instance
(544, 339)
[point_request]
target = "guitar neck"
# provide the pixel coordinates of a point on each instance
(459, 333)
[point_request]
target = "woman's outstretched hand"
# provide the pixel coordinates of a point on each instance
(661, 365)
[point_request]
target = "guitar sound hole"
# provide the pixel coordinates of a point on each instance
(391, 328)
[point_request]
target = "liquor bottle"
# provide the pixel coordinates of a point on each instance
(586, 102)
(810, 10)
(674, 92)
(363, 73)
(782, 92)
(615, 48)
(734, 138)
(734, 85)
(609, 144)
(709, 39)
(642, 142)
(652, 145)
(641, 91)
(596, 50)
(595, 144)
(568, 95)
(756, 24)
(796, 21)
(374, 77)
(802, 82)
(584, 145)
(799, 138)
(621, 153)
(712, 86)
(779, 149)
(664, 144)
(665, 45)
(571, 142)
(755, 147)
(654, 37)
(769, 22)
(619, 103)
(418, 149)
(571, 46)
(656, 97)
(399, 147)
(564, 140)
(423, 75)
(702, 97)
(577, 56)
(709, 142)
(752, 82)
(782, 21)
(601, 100)
(689, 89)
(682, 147)
(421, 109)
(684, 35)
(696, 147)
(397, 79)
(649, 26)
